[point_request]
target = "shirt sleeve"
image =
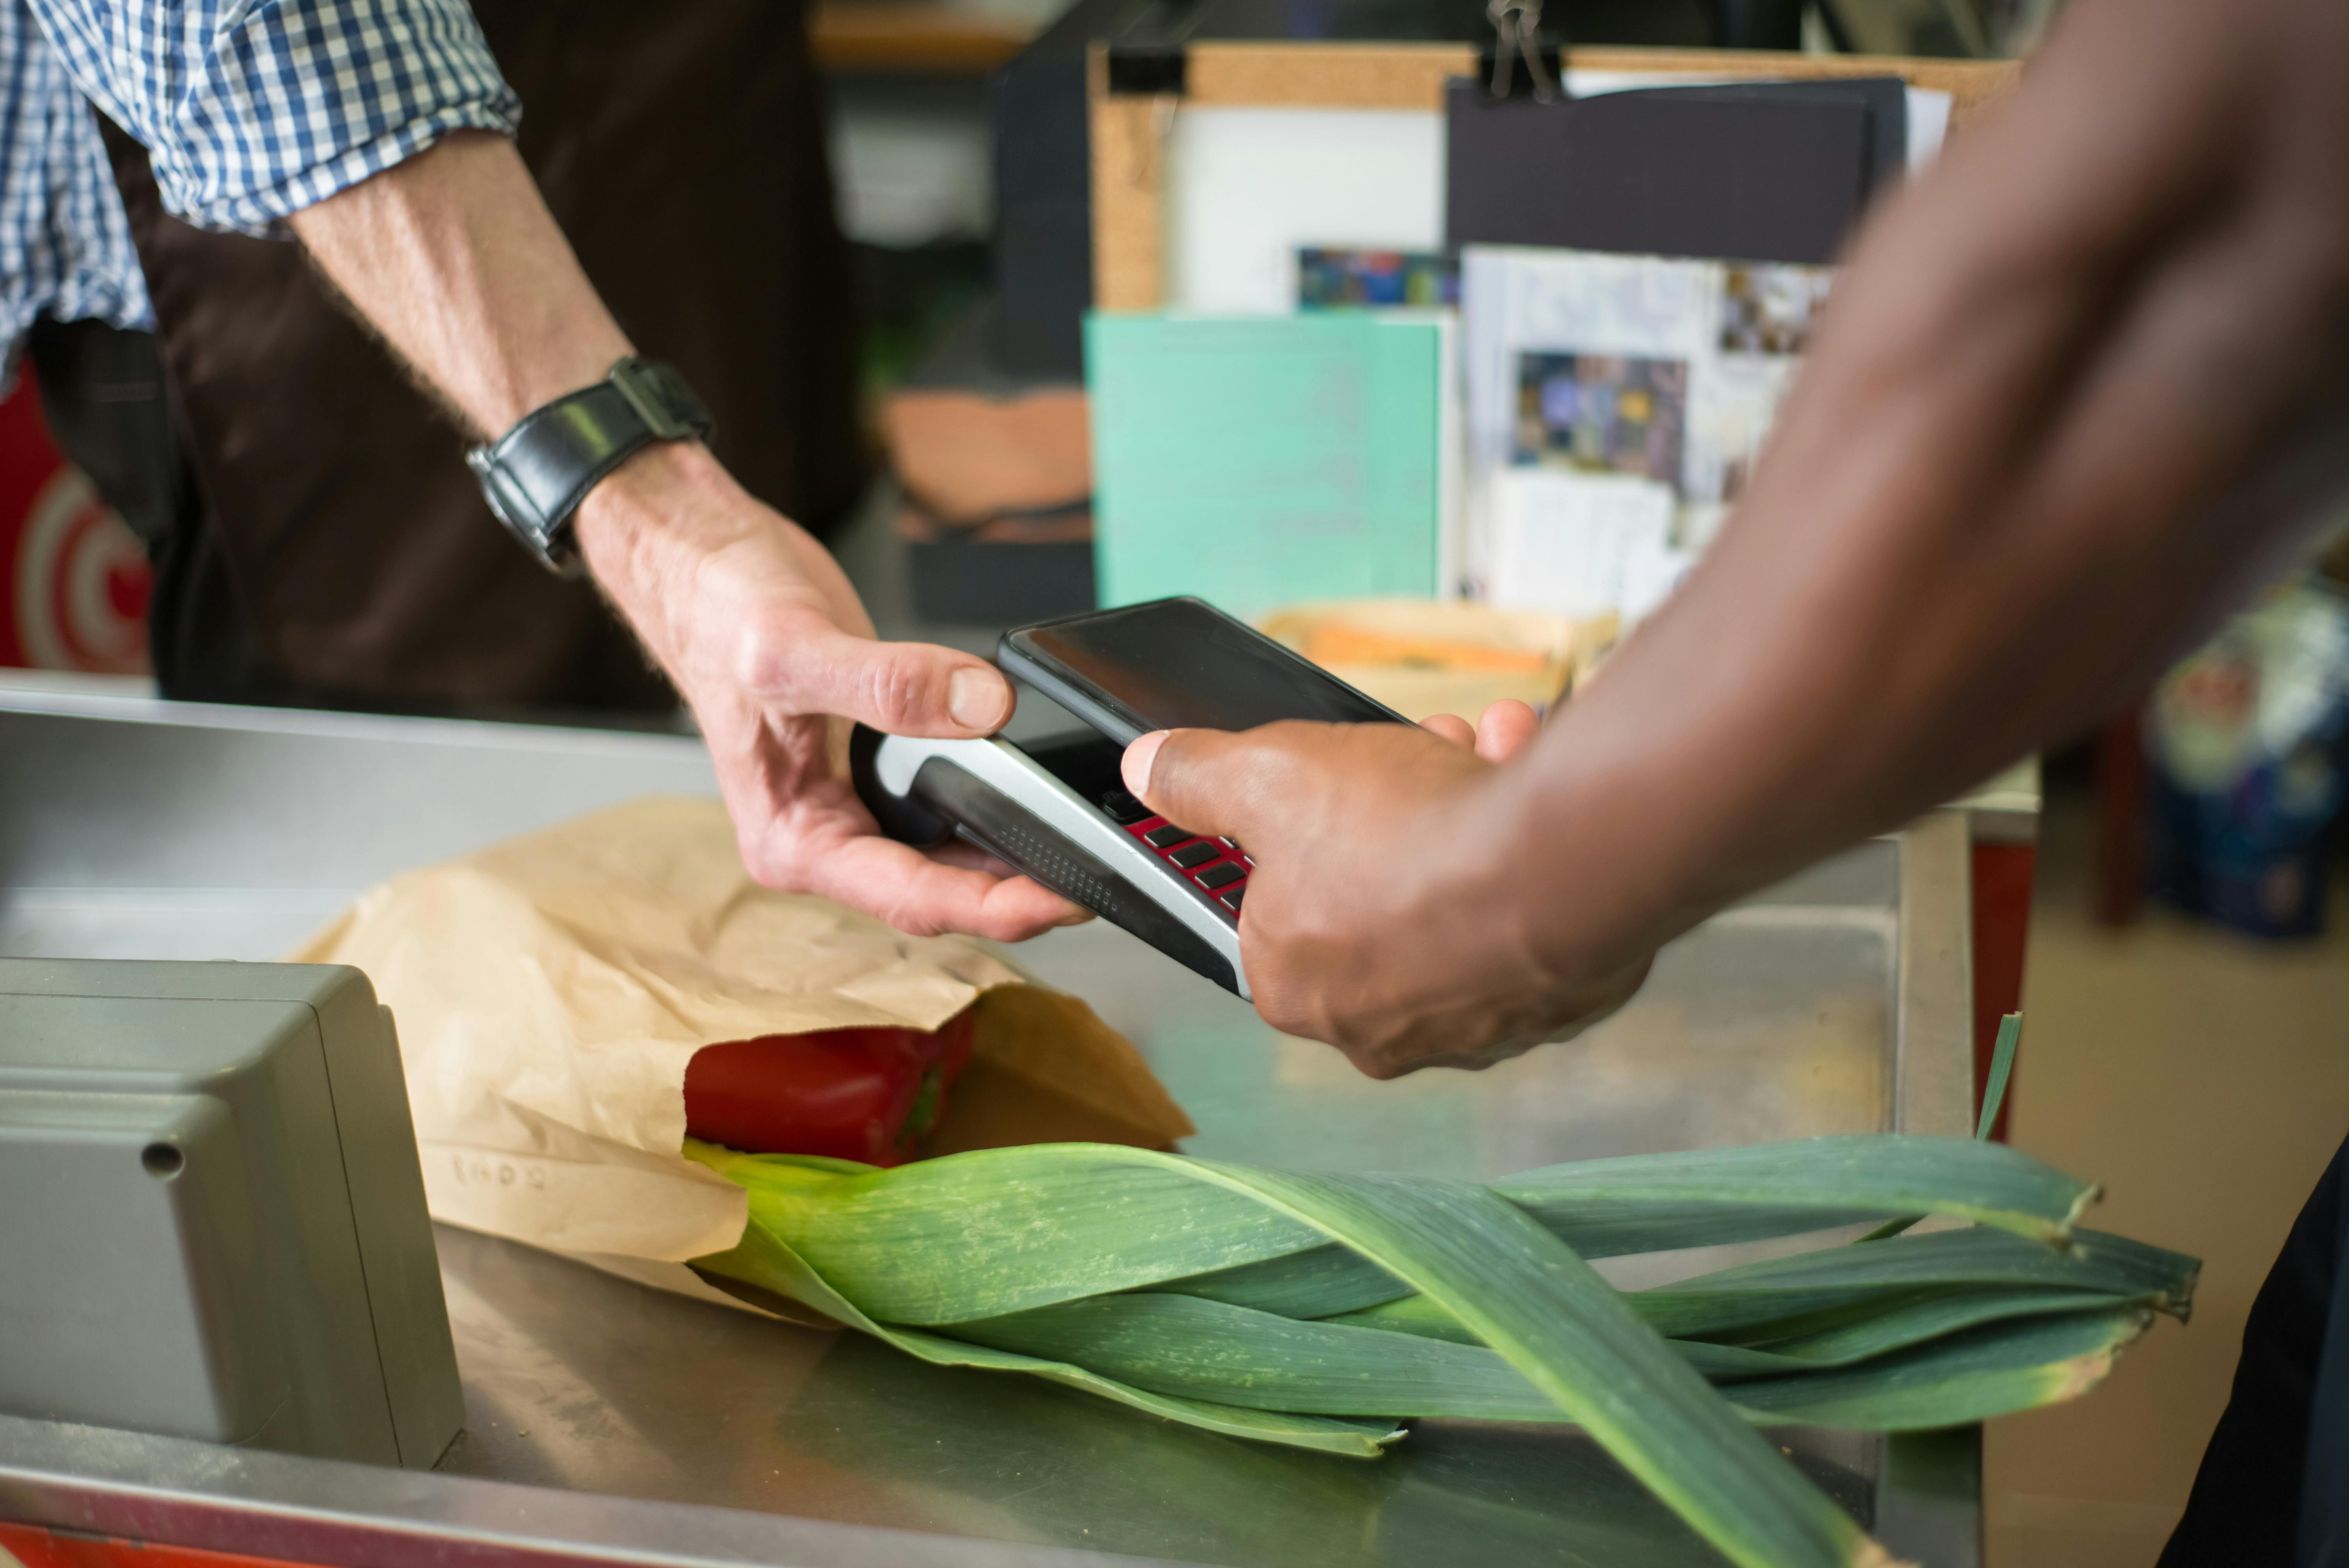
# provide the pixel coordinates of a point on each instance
(254, 109)
(64, 243)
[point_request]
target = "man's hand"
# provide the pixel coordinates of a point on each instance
(455, 260)
(762, 632)
(1374, 919)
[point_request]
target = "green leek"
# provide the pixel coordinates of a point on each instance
(1322, 1311)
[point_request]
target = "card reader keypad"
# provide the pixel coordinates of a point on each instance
(1217, 867)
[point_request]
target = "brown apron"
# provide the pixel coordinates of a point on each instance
(343, 555)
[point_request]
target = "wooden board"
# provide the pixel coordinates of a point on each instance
(1130, 130)
(910, 38)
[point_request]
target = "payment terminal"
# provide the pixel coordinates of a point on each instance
(1044, 795)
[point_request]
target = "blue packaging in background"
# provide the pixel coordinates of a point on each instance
(1336, 279)
(2245, 742)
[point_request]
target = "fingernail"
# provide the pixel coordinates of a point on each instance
(975, 698)
(1135, 767)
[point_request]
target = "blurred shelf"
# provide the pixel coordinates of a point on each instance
(906, 35)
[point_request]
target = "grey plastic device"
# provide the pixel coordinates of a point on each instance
(211, 1216)
(1041, 807)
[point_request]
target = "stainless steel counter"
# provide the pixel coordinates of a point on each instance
(610, 1423)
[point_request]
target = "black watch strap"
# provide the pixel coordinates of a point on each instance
(536, 474)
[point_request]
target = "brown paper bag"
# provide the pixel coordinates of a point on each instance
(549, 991)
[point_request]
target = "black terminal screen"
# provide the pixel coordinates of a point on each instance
(1181, 664)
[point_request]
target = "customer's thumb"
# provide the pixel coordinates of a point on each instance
(1178, 773)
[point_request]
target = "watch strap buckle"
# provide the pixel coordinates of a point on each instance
(536, 474)
(661, 400)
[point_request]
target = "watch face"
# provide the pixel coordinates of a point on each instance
(484, 464)
(551, 548)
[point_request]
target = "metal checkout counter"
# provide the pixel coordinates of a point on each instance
(610, 1423)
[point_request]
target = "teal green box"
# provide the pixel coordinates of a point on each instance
(1257, 461)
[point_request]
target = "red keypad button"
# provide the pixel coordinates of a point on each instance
(1218, 865)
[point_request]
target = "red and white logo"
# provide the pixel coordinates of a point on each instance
(73, 578)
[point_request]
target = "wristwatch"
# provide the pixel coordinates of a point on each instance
(536, 474)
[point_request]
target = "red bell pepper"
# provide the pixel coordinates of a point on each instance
(852, 1094)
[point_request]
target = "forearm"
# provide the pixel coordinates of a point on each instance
(2011, 479)
(453, 258)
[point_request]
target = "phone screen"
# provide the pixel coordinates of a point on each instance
(1180, 664)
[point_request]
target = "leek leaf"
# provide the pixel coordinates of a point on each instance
(1659, 1203)
(1988, 1184)
(1206, 1350)
(1323, 1281)
(1966, 1377)
(1233, 1355)
(1820, 1292)
(2001, 1064)
(1776, 1296)
(1002, 1230)
(1886, 1325)
(762, 1260)
(1550, 1315)
(1892, 1326)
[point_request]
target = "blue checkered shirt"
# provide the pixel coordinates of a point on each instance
(250, 109)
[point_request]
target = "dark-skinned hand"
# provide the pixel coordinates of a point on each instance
(1369, 923)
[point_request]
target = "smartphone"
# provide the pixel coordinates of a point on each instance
(1176, 664)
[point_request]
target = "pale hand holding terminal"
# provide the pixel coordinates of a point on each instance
(762, 632)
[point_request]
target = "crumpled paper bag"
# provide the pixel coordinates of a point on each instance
(549, 991)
